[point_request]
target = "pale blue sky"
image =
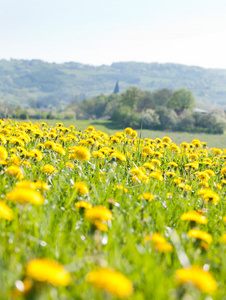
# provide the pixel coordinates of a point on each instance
(191, 32)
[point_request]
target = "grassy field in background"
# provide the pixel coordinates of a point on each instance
(213, 140)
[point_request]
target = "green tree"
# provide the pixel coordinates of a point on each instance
(130, 97)
(146, 101)
(167, 117)
(181, 99)
(162, 97)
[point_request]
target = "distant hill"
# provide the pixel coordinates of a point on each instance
(22, 81)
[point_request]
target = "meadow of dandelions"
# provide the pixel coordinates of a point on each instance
(84, 215)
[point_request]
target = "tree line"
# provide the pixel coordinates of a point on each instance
(161, 110)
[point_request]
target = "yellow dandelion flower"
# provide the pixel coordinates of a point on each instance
(194, 216)
(99, 213)
(25, 195)
(147, 196)
(70, 165)
(36, 154)
(217, 151)
(163, 247)
(200, 235)
(156, 162)
(184, 145)
(3, 139)
(81, 153)
(83, 204)
(204, 183)
(204, 191)
(15, 159)
(98, 154)
(210, 172)
(49, 169)
(203, 176)
(171, 174)
(160, 244)
(166, 139)
(218, 186)
(192, 165)
(156, 175)
(26, 184)
(157, 238)
(3, 153)
(149, 165)
(133, 134)
(41, 185)
(14, 171)
(128, 130)
(46, 270)
(81, 188)
(147, 150)
(111, 281)
(137, 171)
(173, 164)
(201, 279)
(100, 225)
(5, 211)
(211, 197)
(120, 156)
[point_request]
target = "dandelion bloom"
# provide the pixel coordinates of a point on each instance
(128, 130)
(166, 139)
(200, 235)
(147, 196)
(25, 195)
(211, 197)
(160, 244)
(149, 165)
(36, 154)
(49, 169)
(156, 175)
(83, 204)
(99, 213)
(120, 156)
(173, 164)
(70, 165)
(14, 171)
(26, 184)
(47, 271)
(5, 211)
(81, 153)
(81, 188)
(98, 154)
(133, 134)
(111, 281)
(201, 279)
(163, 247)
(194, 216)
(3, 153)
(171, 174)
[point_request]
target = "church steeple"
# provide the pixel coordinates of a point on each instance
(116, 89)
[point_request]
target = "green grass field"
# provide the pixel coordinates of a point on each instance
(213, 140)
(85, 217)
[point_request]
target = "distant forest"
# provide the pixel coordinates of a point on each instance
(36, 84)
(160, 110)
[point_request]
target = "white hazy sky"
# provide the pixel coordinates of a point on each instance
(191, 32)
